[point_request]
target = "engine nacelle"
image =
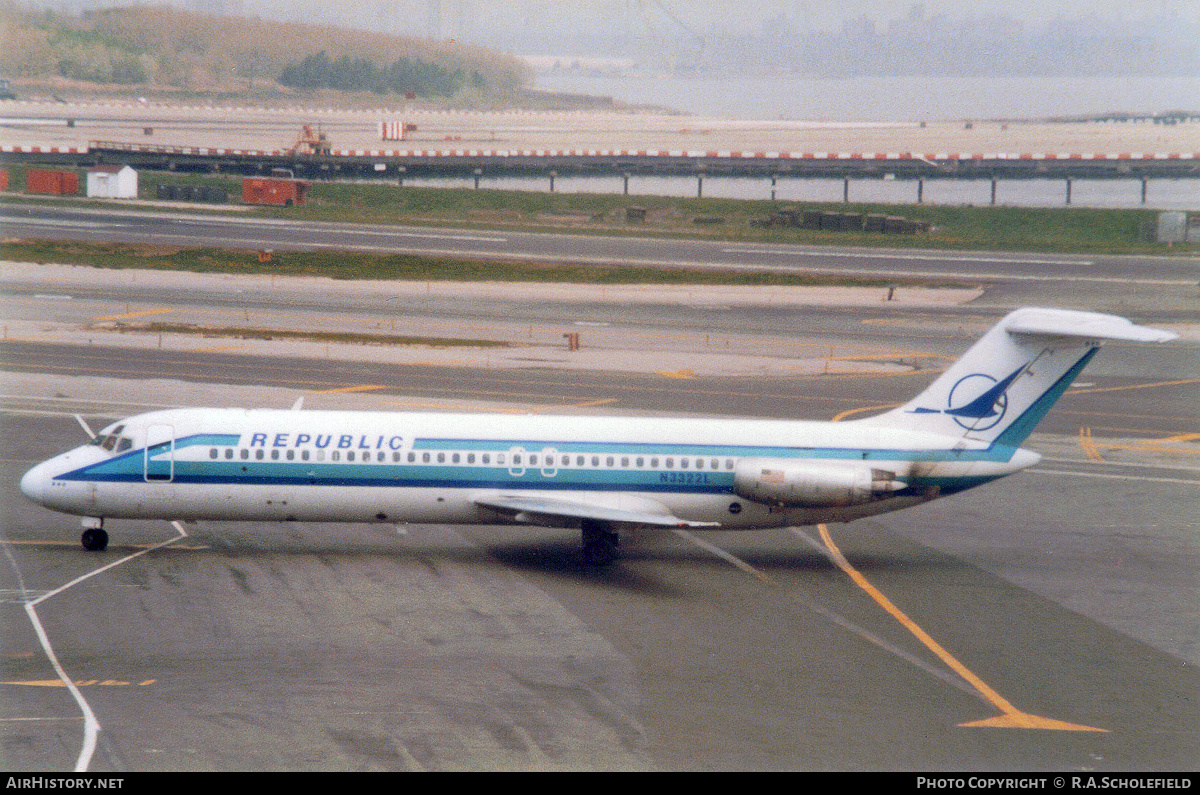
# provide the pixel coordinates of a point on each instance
(812, 484)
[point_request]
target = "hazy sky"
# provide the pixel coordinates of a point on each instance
(823, 12)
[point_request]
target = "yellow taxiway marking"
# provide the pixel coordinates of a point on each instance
(1092, 449)
(867, 357)
(415, 405)
(677, 373)
(843, 415)
(1010, 716)
(358, 388)
(1180, 437)
(589, 403)
(80, 683)
(1089, 447)
(129, 315)
(219, 349)
(1134, 386)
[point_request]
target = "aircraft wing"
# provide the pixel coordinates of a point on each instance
(557, 512)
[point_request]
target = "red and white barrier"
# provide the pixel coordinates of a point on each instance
(596, 153)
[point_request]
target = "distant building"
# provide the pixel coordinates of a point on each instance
(54, 182)
(286, 192)
(112, 182)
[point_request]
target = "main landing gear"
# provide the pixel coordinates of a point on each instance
(94, 538)
(599, 543)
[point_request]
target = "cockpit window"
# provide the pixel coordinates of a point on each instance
(113, 440)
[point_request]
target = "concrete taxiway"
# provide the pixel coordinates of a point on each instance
(1063, 594)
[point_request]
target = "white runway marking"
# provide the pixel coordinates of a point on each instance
(91, 725)
(1113, 477)
(944, 676)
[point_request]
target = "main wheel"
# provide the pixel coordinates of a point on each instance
(599, 544)
(94, 539)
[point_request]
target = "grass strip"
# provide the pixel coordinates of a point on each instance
(310, 336)
(360, 265)
(966, 227)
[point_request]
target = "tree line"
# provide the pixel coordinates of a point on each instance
(404, 76)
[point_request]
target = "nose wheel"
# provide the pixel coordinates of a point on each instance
(94, 539)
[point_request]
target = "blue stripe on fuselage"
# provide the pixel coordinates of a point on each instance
(129, 467)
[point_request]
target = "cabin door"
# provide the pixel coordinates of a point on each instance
(159, 457)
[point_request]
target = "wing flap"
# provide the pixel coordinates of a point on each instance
(536, 510)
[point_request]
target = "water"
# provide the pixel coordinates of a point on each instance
(892, 98)
(886, 99)
(1161, 194)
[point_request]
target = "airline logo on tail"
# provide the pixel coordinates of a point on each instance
(969, 412)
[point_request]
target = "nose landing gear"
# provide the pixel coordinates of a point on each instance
(94, 538)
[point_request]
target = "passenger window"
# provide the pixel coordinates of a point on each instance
(381, 456)
(291, 455)
(654, 463)
(244, 453)
(395, 458)
(470, 458)
(670, 463)
(335, 456)
(441, 458)
(412, 457)
(229, 452)
(683, 463)
(595, 460)
(641, 462)
(579, 460)
(258, 455)
(350, 456)
(320, 455)
(487, 458)
(608, 461)
(533, 459)
(274, 455)
(714, 464)
(566, 460)
(212, 453)
(425, 458)
(303, 455)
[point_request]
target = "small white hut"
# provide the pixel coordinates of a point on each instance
(112, 182)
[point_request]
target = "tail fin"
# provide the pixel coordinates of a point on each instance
(1003, 386)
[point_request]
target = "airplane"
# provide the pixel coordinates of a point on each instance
(599, 475)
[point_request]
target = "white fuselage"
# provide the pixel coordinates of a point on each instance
(237, 464)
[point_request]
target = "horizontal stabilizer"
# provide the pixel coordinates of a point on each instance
(1081, 325)
(537, 510)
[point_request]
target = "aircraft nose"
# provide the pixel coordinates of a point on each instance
(33, 482)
